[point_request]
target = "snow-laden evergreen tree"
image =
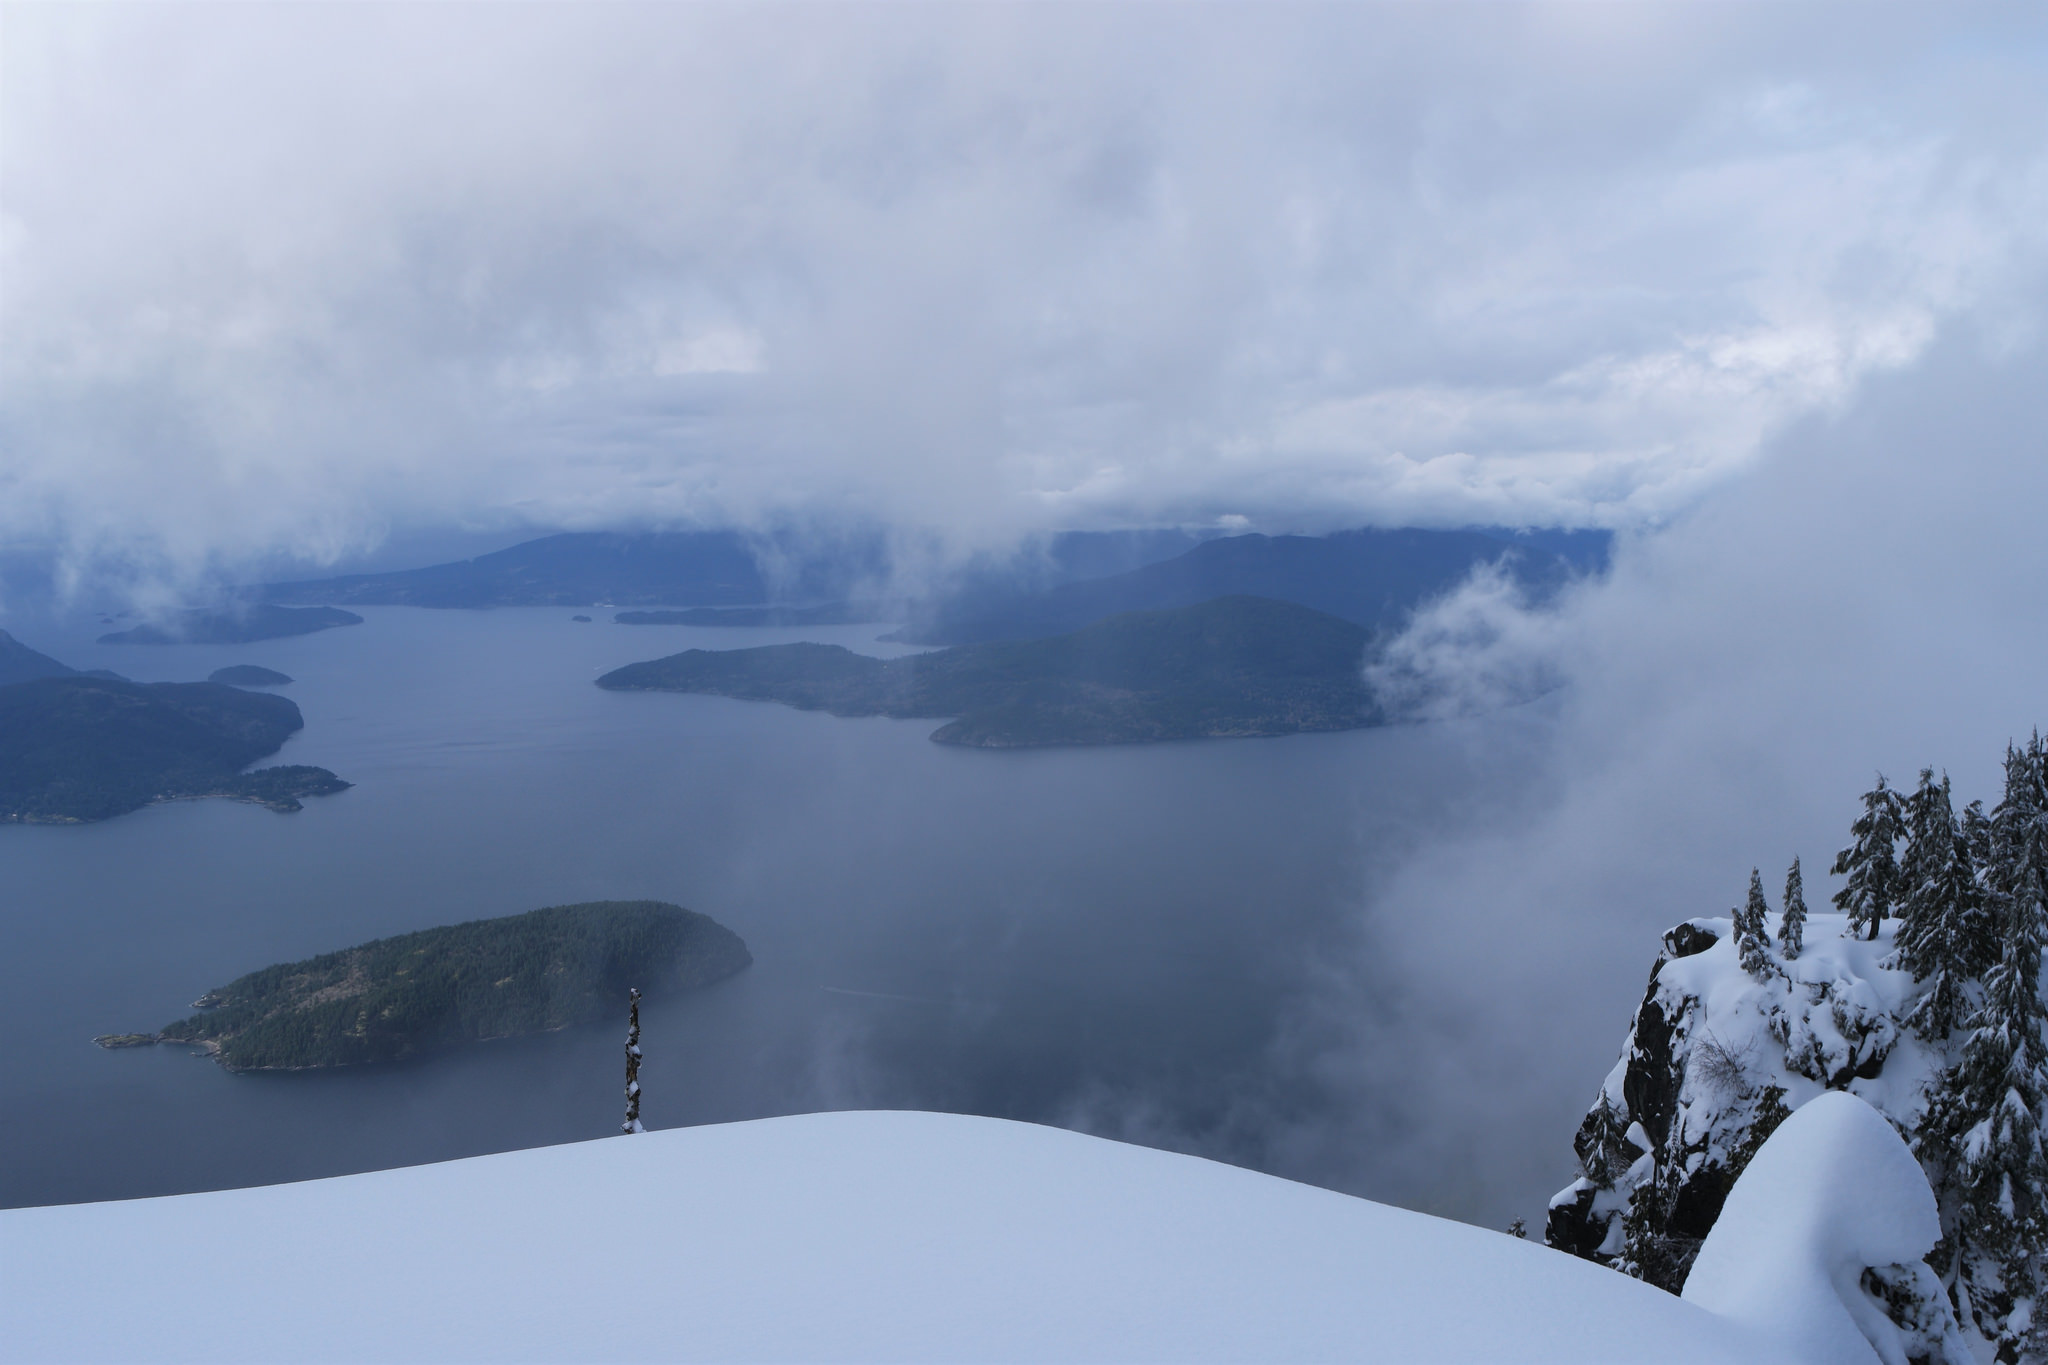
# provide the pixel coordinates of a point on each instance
(632, 1123)
(1871, 861)
(1930, 825)
(1946, 937)
(1753, 930)
(1792, 928)
(1985, 1117)
(2016, 835)
(1981, 1139)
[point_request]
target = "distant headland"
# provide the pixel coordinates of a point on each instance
(76, 748)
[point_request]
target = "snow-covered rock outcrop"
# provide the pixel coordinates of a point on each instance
(827, 1237)
(1717, 1059)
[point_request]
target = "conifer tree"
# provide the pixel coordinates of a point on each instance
(1981, 1138)
(2016, 835)
(1945, 937)
(1987, 1112)
(1930, 825)
(1753, 932)
(1792, 928)
(1871, 862)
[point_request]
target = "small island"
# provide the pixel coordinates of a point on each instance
(491, 978)
(248, 675)
(238, 626)
(1229, 667)
(80, 748)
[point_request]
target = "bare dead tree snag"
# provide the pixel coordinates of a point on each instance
(632, 1123)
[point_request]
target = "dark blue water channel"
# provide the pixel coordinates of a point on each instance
(1048, 935)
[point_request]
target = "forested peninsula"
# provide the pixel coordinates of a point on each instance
(79, 748)
(1234, 666)
(461, 983)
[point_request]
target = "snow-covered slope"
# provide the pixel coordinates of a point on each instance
(851, 1236)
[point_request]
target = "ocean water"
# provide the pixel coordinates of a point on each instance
(1105, 938)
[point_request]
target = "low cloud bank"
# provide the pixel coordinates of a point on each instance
(1870, 597)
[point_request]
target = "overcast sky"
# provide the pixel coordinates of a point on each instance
(294, 278)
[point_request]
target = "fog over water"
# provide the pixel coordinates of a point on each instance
(1107, 938)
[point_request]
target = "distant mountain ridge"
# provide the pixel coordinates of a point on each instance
(574, 569)
(1372, 578)
(716, 569)
(1048, 586)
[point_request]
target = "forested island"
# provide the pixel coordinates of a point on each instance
(490, 978)
(240, 626)
(1234, 666)
(77, 748)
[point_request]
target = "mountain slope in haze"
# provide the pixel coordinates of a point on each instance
(705, 569)
(80, 748)
(575, 569)
(1230, 667)
(1369, 577)
(238, 626)
(850, 1236)
(248, 675)
(19, 663)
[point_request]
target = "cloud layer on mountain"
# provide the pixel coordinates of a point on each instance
(293, 280)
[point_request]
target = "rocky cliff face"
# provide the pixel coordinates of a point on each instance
(1715, 1060)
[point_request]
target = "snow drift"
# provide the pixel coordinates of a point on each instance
(1832, 1195)
(828, 1237)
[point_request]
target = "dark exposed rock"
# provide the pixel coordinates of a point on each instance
(1691, 937)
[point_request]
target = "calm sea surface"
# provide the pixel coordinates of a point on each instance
(1052, 935)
